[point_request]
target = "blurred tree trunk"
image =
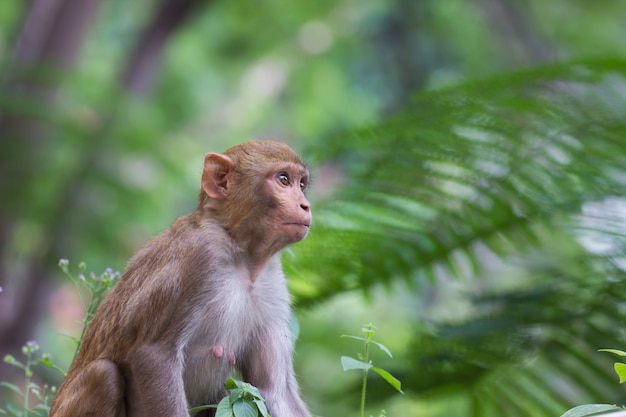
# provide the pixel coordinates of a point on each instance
(53, 31)
(143, 62)
(46, 50)
(48, 44)
(400, 52)
(523, 47)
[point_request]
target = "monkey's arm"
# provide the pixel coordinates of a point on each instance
(124, 371)
(155, 386)
(270, 368)
(154, 315)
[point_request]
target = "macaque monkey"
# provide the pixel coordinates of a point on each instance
(206, 294)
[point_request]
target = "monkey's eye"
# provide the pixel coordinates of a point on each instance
(283, 178)
(302, 184)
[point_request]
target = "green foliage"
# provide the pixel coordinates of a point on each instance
(620, 368)
(43, 394)
(244, 400)
(364, 362)
(590, 410)
(91, 289)
(502, 182)
(482, 166)
(597, 409)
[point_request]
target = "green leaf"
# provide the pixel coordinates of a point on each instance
(15, 411)
(224, 408)
(34, 412)
(48, 363)
(236, 394)
(260, 404)
(394, 382)
(42, 410)
(590, 410)
(194, 410)
(349, 363)
(620, 370)
(12, 387)
(615, 351)
(254, 391)
(244, 408)
(383, 348)
(231, 383)
(354, 337)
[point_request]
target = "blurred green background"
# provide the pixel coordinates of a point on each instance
(469, 174)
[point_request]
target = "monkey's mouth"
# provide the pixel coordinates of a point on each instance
(306, 225)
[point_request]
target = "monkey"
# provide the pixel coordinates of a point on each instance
(204, 296)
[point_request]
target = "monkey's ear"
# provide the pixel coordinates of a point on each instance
(217, 175)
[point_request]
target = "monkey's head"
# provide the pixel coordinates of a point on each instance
(256, 192)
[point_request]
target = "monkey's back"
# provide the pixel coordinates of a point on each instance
(156, 291)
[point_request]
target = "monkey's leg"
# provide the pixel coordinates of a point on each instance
(98, 390)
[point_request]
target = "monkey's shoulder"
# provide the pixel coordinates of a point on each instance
(187, 240)
(162, 281)
(201, 233)
(192, 230)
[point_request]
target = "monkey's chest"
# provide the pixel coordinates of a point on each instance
(235, 313)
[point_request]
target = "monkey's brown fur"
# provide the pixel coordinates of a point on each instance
(209, 284)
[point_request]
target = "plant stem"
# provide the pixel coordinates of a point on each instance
(365, 371)
(363, 392)
(27, 373)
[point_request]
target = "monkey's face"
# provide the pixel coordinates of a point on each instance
(289, 209)
(256, 193)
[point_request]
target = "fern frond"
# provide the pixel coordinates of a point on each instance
(492, 164)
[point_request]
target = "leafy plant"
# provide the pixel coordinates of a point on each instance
(502, 183)
(620, 368)
(588, 410)
(91, 289)
(244, 400)
(365, 364)
(43, 393)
